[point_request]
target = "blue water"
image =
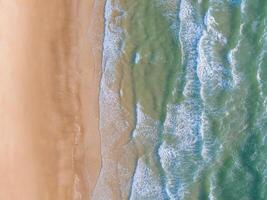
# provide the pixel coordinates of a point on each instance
(183, 101)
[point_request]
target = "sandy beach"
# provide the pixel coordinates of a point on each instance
(50, 61)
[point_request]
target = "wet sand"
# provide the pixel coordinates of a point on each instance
(50, 53)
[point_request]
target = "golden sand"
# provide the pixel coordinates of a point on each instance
(50, 54)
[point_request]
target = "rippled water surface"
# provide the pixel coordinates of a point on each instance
(184, 100)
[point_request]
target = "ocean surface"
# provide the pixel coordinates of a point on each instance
(183, 100)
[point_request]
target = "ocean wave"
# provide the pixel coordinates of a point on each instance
(195, 141)
(113, 41)
(182, 150)
(146, 184)
(170, 10)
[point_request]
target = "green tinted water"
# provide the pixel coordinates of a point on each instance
(183, 100)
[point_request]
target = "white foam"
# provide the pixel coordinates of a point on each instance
(112, 40)
(233, 62)
(190, 28)
(203, 131)
(176, 187)
(181, 124)
(260, 63)
(211, 70)
(109, 98)
(146, 127)
(137, 58)
(110, 108)
(212, 189)
(212, 29)
(183, 121)
(170, 11)
(243, 6)
(146, 184)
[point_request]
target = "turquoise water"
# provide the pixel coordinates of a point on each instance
(183, 101)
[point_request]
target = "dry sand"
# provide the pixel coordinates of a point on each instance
(50, 53)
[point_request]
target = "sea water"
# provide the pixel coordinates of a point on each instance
(183, 100)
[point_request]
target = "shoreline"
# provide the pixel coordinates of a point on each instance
(50, 71)
(96, 29)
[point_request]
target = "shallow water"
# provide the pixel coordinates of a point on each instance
(183, 101)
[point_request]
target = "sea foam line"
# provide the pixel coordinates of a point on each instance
(109, 99)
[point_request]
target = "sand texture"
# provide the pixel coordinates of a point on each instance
(50, 58)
